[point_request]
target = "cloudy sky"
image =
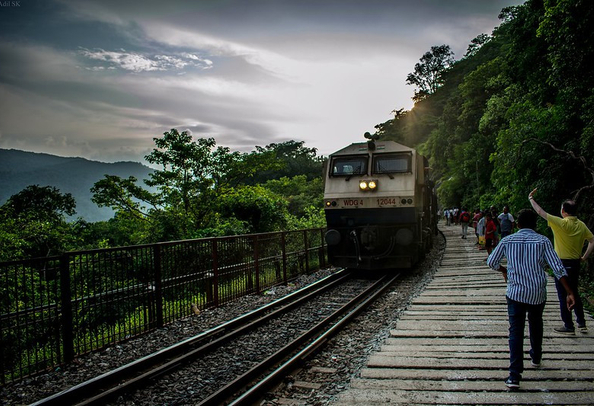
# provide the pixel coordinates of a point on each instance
(101, 78)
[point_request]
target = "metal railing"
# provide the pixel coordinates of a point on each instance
(53, 309)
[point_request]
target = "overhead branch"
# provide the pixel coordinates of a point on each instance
(579, 158)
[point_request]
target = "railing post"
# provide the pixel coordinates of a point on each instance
(213, 291)
(284, 249)
(158, 294)
(256, 264)
(322, 255)
(306, 246)
(66, 299)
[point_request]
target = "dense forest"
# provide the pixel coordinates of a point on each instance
(514, 113)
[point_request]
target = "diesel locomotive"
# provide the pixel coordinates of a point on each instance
(380, 206)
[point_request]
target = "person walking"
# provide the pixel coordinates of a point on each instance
(448, 216)
(480, 230)
(490, 231)
(506, 222)
(527, 252)
(464, 221)
(569, 234)
(496, 235)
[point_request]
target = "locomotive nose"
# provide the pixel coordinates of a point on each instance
(332, 237)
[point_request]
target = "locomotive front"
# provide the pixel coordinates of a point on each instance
(379, 207)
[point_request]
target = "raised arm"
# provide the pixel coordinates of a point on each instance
(589, 249)
(536, 206)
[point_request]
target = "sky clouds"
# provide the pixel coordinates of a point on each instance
(136, 62)
(101, 79)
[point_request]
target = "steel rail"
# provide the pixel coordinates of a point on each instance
(327, 330)
(127, 377)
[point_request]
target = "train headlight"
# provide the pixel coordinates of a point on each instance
(367, 185)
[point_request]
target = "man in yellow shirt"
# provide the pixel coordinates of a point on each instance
(570, 234)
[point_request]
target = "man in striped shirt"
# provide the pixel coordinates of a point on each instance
(527, 254)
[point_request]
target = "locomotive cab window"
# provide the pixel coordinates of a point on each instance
(349, 166)
(392, 163)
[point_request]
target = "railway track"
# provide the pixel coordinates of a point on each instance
(304, 345)
(328, 304)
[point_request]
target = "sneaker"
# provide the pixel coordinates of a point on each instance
(535, 364)
(512, 383)
(583, 329)
(565, 330)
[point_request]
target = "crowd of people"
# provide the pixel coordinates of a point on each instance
(489, 225)
(527, 253)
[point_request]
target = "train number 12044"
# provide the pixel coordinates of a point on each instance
(387, 201)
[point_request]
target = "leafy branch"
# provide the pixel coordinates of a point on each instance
(580, 158)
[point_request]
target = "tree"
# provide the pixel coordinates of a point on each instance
(428, 73)
(517, 112)
(188, 173)
(476, 44)
(45, 203)
(123, 195)
(393, 129)
(291, 158)
(299, 192)
(191, 191)
(259, 209)
(33, 223)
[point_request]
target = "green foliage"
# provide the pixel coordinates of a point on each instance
(33, 223)
(199, 190)
(517, 112)
(476, 44)
(258, 208)
(45, 203)
(290, 158)
(313, 217)
(299, 192)
(428, 73)
(204, 190)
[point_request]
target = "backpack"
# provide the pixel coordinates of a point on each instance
(465, 217)
(506, 224)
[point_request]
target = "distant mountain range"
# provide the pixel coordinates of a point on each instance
(19, 169)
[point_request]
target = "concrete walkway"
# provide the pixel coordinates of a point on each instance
(450, 346)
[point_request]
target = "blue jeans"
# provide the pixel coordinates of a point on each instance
(573, 273)
(516, 312)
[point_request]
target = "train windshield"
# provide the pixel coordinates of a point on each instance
(392, 163)
(348, 166)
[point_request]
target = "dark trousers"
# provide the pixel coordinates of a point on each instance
(573, 274)
(516, 312)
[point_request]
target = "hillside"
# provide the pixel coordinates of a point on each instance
(19, 169)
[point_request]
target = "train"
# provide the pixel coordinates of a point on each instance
(380, 206)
